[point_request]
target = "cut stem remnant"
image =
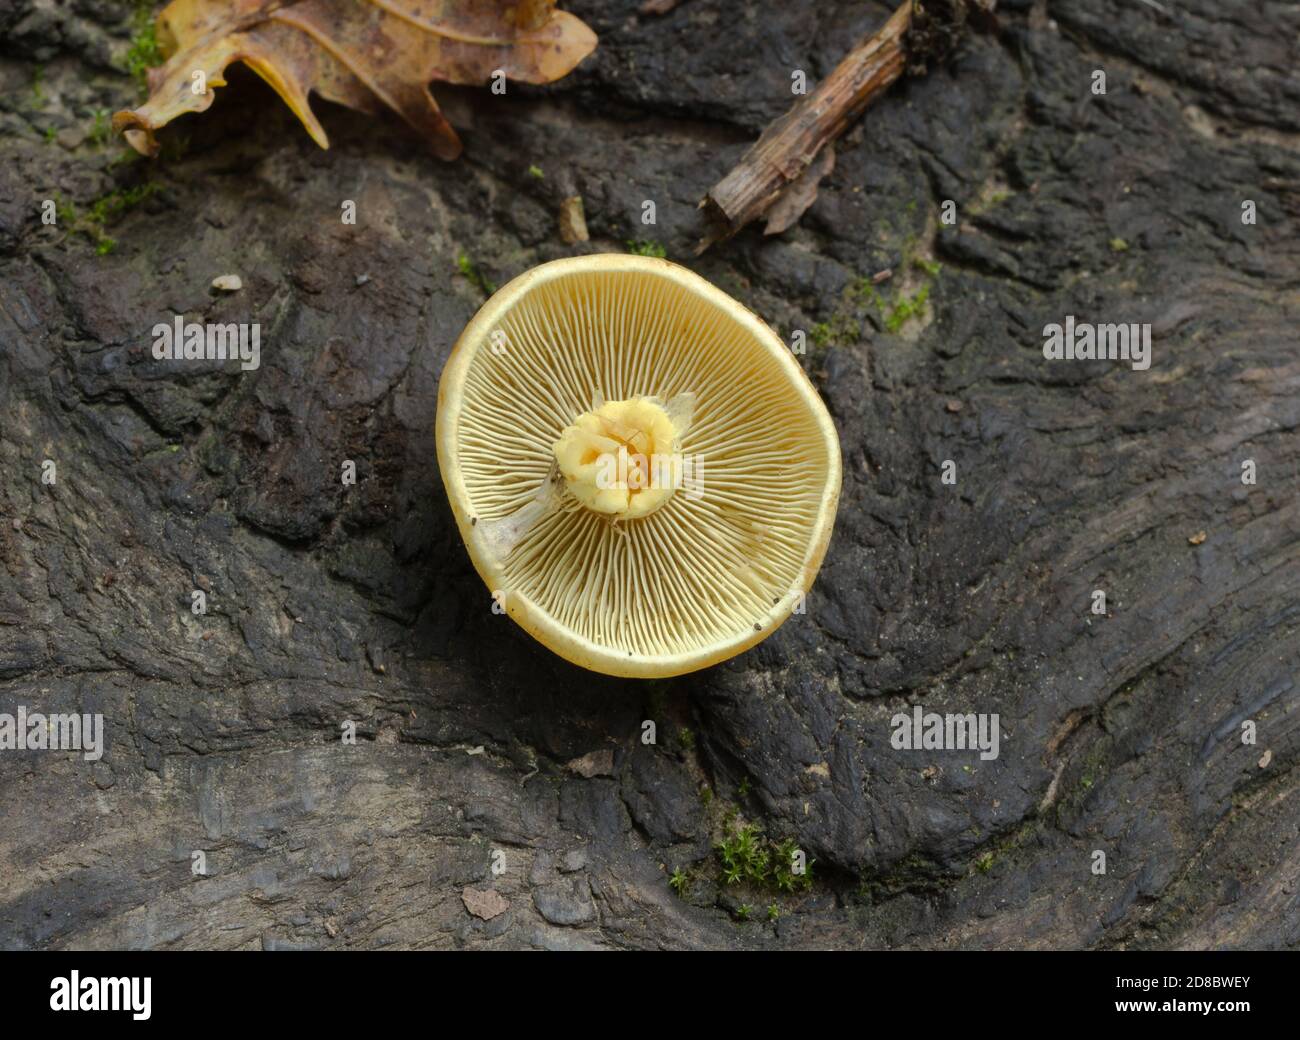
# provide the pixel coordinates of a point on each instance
(788, 147)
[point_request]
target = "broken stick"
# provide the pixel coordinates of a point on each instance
(779, 164)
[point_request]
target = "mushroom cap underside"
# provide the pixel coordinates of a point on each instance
(719, 565)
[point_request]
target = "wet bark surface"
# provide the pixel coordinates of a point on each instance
(327, 604)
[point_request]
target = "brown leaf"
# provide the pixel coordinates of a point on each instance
(361, 53)
(485, 903)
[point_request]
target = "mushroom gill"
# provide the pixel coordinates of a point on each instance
(637, 462)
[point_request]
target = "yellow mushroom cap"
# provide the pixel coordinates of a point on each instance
(642, 473)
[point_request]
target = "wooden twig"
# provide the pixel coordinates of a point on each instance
(789, 146)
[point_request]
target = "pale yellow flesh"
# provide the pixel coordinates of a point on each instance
(702, 576)
(607, 458)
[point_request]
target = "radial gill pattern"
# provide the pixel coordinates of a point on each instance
(711, 562)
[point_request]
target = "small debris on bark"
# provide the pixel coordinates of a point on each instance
(594, 763)
(573, 222)
(659, 6)
(484, 903)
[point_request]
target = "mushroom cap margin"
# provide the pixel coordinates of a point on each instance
(523, 611)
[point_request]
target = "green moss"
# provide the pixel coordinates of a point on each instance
(645, 247)
(144, 52)
(1118, 245)
(536, 172)
(841, 329)
(101, 129)
(904, 310)
(1093, 766)
(846, 329)
(679, 882)
(64, 212)
(747, 857)
(686, 738)
(783, 875)
(103, 211)
(744, 856)
(470, 270)
(753, 866)
(1091, 770)
(863, 291)
(743, 911)
(1002, 846)
(112, 206)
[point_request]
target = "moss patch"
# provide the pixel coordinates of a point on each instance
(748, 869)
(906, 309)
(144, 52)
(477, 278)
(103, 212)
(646, 247)
(101, 129)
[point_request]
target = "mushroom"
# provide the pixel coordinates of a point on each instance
(641, 472)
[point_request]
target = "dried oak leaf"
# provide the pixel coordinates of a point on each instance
(360, 53)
